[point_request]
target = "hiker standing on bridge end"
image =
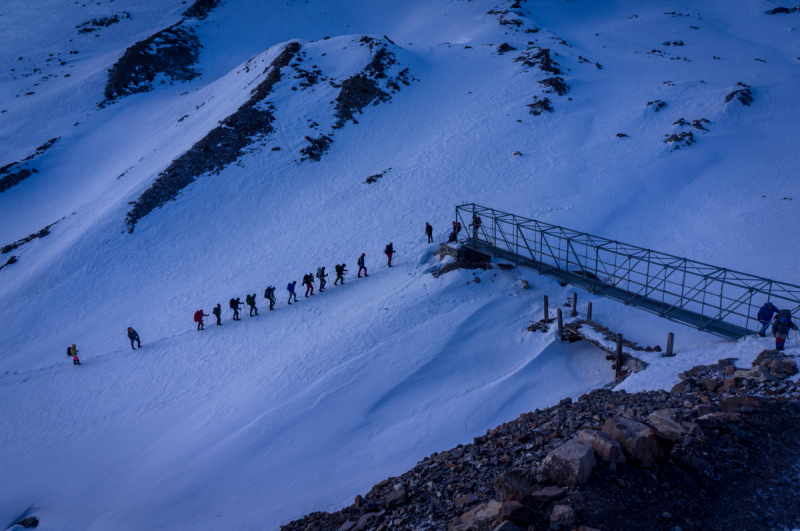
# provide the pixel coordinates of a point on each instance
(362, 266)
(389, 251)
(476, 224)
(765, 315)
(429, 232)
(133, 336)
(780, 328)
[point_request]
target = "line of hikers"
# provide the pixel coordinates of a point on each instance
(781, 323)
(308, 281)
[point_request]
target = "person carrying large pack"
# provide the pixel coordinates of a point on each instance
(251, 301)
(290, 289)
(308, 282)
(389, 251)
(781, 327)
(73, 351)
(234, 304)
(198, 318)
(217, 311)
(765, 315)
(321, 276)
(269, 293)
(340, 271)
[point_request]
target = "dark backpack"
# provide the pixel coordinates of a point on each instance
(388, 250)
(338, 269)
(233, 304)
(69, 351)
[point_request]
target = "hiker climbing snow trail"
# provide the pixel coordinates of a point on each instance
(134, 336)
(361, 266)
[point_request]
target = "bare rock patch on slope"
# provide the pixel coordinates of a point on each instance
(15, 172)
(220, 147)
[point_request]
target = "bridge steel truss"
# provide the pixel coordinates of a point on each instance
(713, 299)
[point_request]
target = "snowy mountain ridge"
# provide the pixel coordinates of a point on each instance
(568, 112)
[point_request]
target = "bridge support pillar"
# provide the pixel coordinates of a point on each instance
(574, 312)
(589, 312)
(670, 345)
(619, 354)
(546, 311)
(560, 325)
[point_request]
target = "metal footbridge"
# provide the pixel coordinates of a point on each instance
(709, 298)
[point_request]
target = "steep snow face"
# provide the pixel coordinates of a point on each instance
(256, 422)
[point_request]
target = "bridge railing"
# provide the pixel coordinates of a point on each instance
(714, 299)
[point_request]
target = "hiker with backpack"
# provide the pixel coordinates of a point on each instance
(781, 327)
(389, 251)
(133, 336)
(476, 224)
(73, 351)
(235, 304)
(362, 266)
(340, 271)
(429, 232)
(217, 311)
(198, 318)
(251, 301)
(452, 237)
(765, 315)
(321, 276)
(308, 282)
(269, 293)
(290, 289)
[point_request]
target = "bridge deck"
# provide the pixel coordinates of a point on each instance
(680, 315)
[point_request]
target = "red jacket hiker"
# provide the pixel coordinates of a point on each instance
(198, 318)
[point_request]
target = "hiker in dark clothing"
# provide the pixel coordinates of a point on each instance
(389, 251)
(452, 237)
(290, 289)
(308, 281)
(251, 301)
(780, 328)
(269, 293)
(429, 232)
(217, 311)
(362, 266)
(133, 336)
(73, 351)
(765, 315)
(321, 276)
(476, 224)
(198, 318)
(235, 304)
(340, 271)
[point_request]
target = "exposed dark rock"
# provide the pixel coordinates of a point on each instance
(505, 47)
(539, 106)
(374, 178)
(171, 52)
(28, 523)
(15, 172)
(657, 105)
(200, 9)
(780, 10)
(19, 243)
(673, 43)
(539, 57)
(744, 95)
(683, 136)
(514, 481)
(104, 22)
(357, 92)
(316, 148)
(622, 135)
(220, 147)
(555, 84)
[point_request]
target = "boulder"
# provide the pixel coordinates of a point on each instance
(760, 374)
(520, 514)
(482, 515)
(668, 422)
(685, 386)
(548, 494)
(515, 481)
(605, 448)
(703, 409)
(508, 526)
(736, 404)
(395, 499)
(709, 384)
(641, 444)
(563, 515)
(570, 464)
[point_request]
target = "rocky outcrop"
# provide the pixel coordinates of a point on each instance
(732, 442)
(743, 95)
(220, 147)
(569, 464)
(15, 172)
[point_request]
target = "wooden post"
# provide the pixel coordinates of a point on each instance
(546, 311)
(619, 354)
(560, 325)
(670, 343)
(574, 312)
(589, 312)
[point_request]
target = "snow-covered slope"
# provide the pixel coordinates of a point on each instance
(258, 421)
